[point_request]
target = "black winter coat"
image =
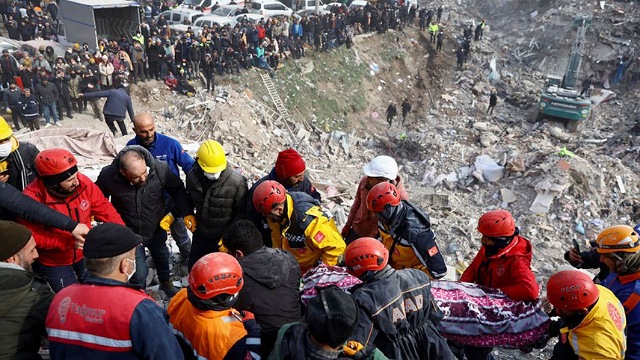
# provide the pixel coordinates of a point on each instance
(270, 291)
(142, 207)
(218, 203)
(47, 93)
(22, 167)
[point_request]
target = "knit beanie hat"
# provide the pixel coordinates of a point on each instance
(332, 316)
(289, 163)
(13, 237)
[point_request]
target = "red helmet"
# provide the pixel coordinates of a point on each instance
(54, 162)
(497, 223)
(571, 290)
(267, 194)
(381, 195)
(365, 254)
(215, 274)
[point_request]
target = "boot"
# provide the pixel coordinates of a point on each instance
(168, 288)
(185, 252)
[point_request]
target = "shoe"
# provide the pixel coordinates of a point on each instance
(46, 125)
(58, 124)
(70, 116)
(168, 288)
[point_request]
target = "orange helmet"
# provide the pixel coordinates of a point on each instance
(267, 194)
(382, 194)
(215, 274)
(571, 290)
(618, 238)
(366, 254)
(497, 223)
(55, 161)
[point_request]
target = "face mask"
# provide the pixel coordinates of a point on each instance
(5, 149)
(134, 269)
(212, 176)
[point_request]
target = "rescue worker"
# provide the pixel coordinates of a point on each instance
(14, 203)
(391, 112)
(619, 249)
(169, 150)
(219, 196)
(406, 107)
(406, 232)
(298, 225)
(329, 321)
(396, 311)
(594, 320)
(17, 158)
(589, 259)
(271, 281)
(362, 222)
(63, 188)
(24, 296)
(202, 315)
(289, 171)
(433, 31)
(503, 262)
(136, 183)
(104, 317)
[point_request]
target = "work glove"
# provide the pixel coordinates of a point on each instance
(190, 222)
(166, 222)
(351, 348)
(9, 111)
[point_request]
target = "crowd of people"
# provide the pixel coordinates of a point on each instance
(249, 250)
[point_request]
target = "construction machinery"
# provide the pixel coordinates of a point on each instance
(560, 98)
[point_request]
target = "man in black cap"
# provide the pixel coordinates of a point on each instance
(127, 322)
(330, 320)
(24, 297)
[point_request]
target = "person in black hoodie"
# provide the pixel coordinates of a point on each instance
(61, 81)
(271, 281)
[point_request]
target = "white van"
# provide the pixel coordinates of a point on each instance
(180, 16)
(269, 8)
(206, 5)
(358, 3)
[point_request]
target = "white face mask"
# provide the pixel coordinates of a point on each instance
(212, 176)
(134, 269)
(5, 149)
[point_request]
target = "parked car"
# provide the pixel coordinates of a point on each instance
(180, 16)
(209, 20)
(206, 5)
(269, 8)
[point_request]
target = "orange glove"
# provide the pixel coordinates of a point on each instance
(190, 222)
(352, 347)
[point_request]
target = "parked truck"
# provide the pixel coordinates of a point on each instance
(86, 21)
(561, 98)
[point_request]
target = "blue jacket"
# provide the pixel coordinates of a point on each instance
(627, 289)
(150, 333)
(118, 102)
(168, 150)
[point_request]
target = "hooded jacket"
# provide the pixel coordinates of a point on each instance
(509, 270)
(309, 235)
(270, 291)
(142, 206)
(57, 247)
(363, 221)
(217, 202)
(24, 302)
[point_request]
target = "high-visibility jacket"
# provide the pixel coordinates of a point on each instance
(210, 333)
(601, 334)
(627, 289)
(308, 234)
(433, 28)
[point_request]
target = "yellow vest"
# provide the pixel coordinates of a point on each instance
(600, 336)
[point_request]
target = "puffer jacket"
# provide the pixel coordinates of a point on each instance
(24, 302)
(270, 291)
(21, 164)
(218, 202)
(142, 206)
(47, 93)
(57, 247)
(509, 270)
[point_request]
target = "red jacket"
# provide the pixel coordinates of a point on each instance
(509, 270)
(57, 247)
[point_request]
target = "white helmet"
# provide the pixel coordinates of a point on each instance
(382, 166)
